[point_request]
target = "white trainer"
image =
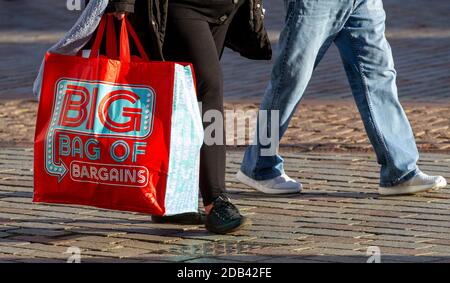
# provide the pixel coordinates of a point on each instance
(419, 183)
(277, 186)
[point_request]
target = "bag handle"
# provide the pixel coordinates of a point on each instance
(111, 39)
(98, 38)
(111, 48)
(126, 26)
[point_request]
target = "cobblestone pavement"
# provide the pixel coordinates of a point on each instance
(317, 126)
(337, 218)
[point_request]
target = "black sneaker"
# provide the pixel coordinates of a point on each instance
(198, 218)
(224, 217)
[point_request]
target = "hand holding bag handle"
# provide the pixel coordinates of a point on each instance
(111, 48)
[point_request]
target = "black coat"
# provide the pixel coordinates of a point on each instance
(246, 34)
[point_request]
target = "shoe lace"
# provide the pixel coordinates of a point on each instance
(225, 209)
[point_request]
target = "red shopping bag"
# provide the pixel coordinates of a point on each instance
(106, 133)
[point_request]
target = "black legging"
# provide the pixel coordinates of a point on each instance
(202, 43)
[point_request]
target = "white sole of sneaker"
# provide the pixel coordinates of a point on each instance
(411, 190)
(241, 177)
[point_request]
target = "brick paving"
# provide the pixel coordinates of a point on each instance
(317, 126)
(337, 218)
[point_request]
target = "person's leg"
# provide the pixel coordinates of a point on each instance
(192, 41)
(310, 28)
(369, 65)
(198, 42)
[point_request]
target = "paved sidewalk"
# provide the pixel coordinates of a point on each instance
(324, 127)
(337, 218)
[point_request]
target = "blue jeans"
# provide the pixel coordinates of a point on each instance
(357, 27)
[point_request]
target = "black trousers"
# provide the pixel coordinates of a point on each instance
(201, 43)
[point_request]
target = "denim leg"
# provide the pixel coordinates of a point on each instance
(370, 69)
(310, 28)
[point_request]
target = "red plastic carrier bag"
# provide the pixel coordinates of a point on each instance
(118, 132)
